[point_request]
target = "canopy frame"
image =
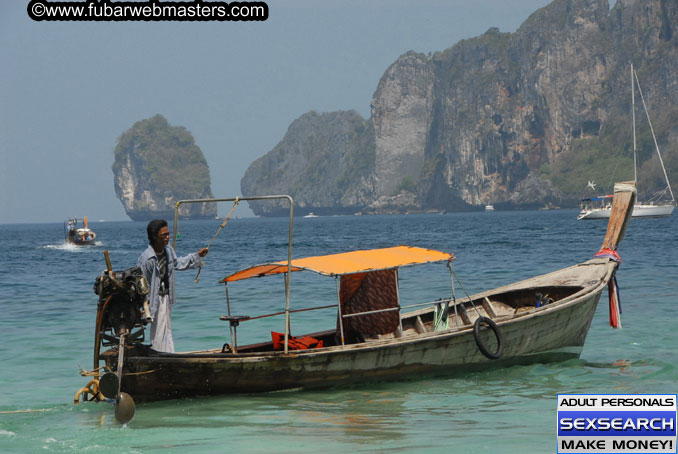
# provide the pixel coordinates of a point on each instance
(342, 316)
(349, 263)
(289, 244)
(286, 268)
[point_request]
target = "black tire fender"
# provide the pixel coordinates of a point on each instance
(479, 341)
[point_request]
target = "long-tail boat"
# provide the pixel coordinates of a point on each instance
(81, 236)
(372, 337)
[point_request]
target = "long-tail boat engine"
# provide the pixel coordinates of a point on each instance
(122, 306)
(122, 314)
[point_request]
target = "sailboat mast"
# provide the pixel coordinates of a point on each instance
(659, 155)
(633, 114)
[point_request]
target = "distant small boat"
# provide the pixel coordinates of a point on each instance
(311, 215)
(81, 236)
(489, 207)
(549, 206)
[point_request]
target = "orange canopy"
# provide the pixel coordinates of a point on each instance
(347, 262)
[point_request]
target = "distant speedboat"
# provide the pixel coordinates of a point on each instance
(311, 215)
(81, 236)
(489, 207)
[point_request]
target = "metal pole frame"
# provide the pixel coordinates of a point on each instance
(454, 297)
(633, 114)
(228, 307)
(289, 244)
(400, 314)
(341, 317)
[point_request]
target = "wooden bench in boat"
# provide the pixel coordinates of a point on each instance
(467, 313)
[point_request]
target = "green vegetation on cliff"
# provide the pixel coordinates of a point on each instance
(608, 158)
(324, 161)
(168, 156)
(519, 119)
(360, 162)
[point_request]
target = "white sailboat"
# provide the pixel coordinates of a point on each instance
(653, 209)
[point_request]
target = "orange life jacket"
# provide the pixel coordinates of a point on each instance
(294, 343)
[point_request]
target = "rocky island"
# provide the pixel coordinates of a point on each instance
(155, 166)
(516, 120)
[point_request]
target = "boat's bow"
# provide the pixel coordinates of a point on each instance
(620, 214)
(622, 208)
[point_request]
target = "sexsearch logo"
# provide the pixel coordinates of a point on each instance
(616, 423)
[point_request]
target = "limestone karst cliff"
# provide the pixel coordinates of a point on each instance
(325, 160)
(155, 166)
(518, 119)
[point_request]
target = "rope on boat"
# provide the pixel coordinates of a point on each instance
(612, 287)
(465, 292)
(223, 224)
(615, 302)
(128, 374)
(608, 253)
(93, 373)
(99, 320)
(92, 389)
(11, 412)
(476, 326)
(454, 296)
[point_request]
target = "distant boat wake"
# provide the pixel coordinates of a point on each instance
(70, 246)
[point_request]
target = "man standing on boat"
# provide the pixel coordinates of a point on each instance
(158, 263)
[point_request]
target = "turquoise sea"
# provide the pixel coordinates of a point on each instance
(47, 312)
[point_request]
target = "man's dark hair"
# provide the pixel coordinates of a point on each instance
(154, 227)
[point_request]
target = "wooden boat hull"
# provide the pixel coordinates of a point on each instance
(82, 242)
(81, 237)
(556, 331)
(543, 318)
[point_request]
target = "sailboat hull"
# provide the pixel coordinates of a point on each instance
(639, 211)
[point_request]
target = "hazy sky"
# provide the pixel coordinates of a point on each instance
(68, 90)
